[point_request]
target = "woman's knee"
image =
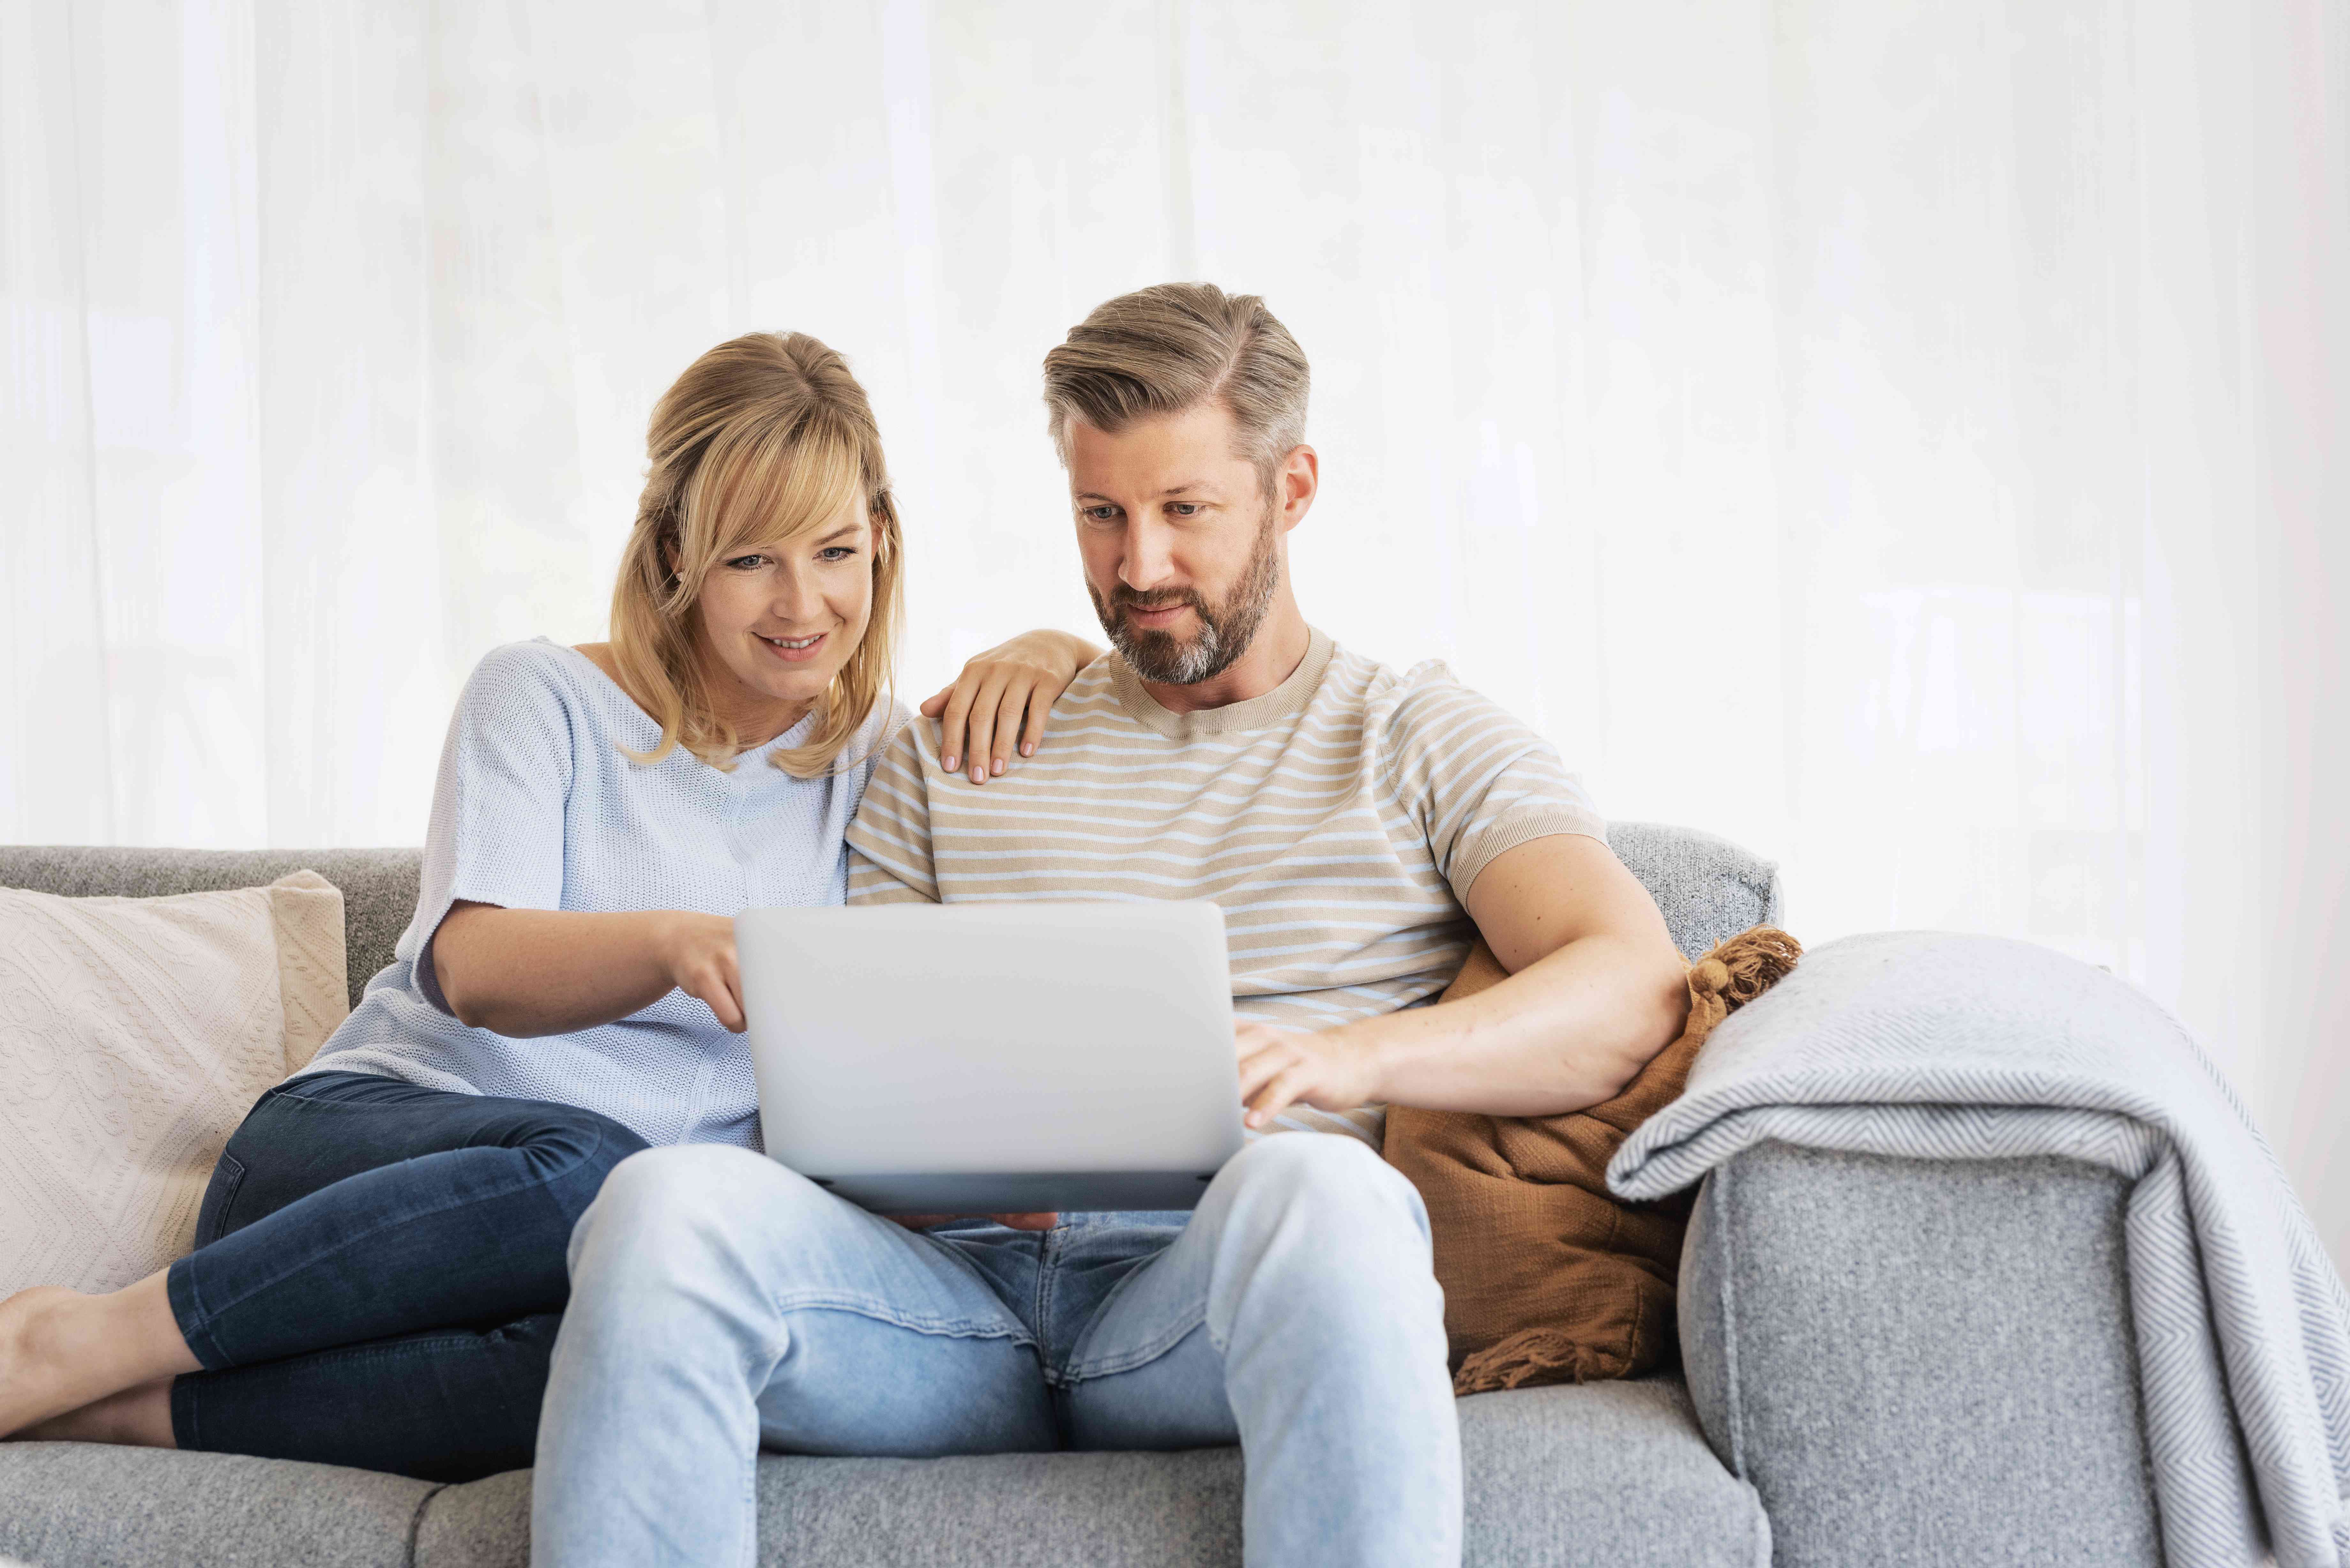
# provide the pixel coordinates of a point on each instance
(575, 1151)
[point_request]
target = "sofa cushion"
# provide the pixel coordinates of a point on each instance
(379, 885)
(79, 1505)
(134, 1034)
(1604, 1474)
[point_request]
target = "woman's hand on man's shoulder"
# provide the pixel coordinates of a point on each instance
(1000, 701)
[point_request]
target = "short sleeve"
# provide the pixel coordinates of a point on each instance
(498, 806)
(890, 857)
(1479, 781)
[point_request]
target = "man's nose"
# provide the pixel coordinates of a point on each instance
(1149, 555)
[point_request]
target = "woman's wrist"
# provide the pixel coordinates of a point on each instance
(669, 937)
(660, 938)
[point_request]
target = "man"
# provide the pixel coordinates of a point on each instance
(1360, 827)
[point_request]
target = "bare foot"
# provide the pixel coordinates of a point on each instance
(139, 1417)
(60, 1350)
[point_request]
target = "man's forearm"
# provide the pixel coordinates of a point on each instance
(1566, 1032)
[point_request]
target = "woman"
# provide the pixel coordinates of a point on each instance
(379, 1268)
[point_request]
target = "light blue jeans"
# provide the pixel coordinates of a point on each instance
(720, 1302)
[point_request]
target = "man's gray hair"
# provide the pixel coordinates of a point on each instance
(1172, 348)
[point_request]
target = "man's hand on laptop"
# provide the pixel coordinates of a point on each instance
(1284, 1067)
(1011, 1222)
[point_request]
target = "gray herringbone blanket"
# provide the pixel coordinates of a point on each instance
(1940, 1046)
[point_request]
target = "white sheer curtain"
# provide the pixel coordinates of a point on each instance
(1904, 438)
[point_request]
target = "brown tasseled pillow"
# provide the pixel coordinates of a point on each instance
(1547, 1276)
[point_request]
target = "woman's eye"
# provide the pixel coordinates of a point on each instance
(1100, 513)
(836, 553)
(747, 563)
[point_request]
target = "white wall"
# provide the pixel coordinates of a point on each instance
(1904, 438)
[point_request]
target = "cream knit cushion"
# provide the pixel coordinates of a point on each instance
(134, 1035)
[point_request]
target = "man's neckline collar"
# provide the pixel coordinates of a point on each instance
(1282, 703)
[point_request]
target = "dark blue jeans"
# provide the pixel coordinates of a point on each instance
(379, 1275)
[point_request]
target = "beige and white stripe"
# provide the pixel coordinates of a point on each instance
(1338, 819)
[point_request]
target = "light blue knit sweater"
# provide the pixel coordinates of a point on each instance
(535, 808)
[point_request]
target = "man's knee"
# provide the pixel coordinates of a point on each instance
(1311, 1164)
(1319, 1237)
(1321, 1177)
(682, 1202)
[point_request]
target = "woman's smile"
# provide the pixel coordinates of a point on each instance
(795, 649)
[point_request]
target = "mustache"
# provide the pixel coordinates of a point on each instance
(1124, 597)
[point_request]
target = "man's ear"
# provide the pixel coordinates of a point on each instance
(1299, 482)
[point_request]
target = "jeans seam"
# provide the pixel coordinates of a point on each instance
(749, 1496)
(937, 1327)
(207, 1316)
(196, 1328)
(1049, 1280)
(288, 1091)
(980, 1277)
(228, 1197)
(1141, 1355)
(395, 1350)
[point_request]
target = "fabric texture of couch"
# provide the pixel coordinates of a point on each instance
(1887, 1360)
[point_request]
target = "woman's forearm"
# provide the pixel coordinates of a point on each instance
(525, 972)
(1561, 1034)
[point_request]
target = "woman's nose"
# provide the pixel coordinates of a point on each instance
(797, 600)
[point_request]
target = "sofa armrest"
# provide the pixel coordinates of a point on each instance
(1918, 1361)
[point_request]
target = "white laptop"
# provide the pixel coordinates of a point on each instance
(980, 1059)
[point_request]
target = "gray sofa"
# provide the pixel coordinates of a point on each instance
(1886, 1360)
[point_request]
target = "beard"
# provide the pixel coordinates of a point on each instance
(1225, 629)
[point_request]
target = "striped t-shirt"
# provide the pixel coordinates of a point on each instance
(1338, 819)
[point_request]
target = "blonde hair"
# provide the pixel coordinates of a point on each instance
(762, 440)
(1170, 347)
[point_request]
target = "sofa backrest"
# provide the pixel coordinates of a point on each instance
(379, 885)
(1708, 887)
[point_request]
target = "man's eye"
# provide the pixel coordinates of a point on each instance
(1101, 514)
(1183, 508)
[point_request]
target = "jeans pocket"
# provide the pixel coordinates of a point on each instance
(220, 1193)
